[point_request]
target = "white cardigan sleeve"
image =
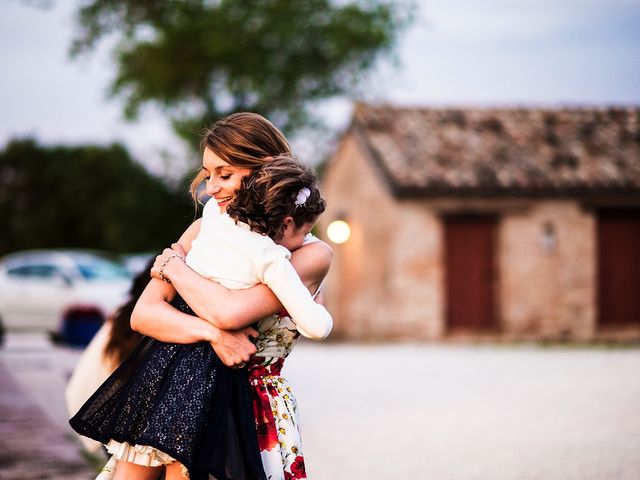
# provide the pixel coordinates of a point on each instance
(275, 270)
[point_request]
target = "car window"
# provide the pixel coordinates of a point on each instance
(99, 269)
(35, 271)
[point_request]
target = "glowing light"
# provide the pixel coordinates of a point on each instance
(338, 231)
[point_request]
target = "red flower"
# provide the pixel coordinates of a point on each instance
(265, 421)
(297, 468)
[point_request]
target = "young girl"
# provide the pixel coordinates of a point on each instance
(172, 402)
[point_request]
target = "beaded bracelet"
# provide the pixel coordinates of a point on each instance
(164, 264)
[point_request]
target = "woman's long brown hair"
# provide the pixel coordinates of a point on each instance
(246, 140)
(123, 339)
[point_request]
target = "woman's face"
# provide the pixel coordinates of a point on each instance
(222, 180)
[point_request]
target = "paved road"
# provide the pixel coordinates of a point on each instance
(441, 412)
(32, 445)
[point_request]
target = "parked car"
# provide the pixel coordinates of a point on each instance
(136, 262)
(38, 288)
(79, 325)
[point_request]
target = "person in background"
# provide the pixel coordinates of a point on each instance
(113, 342)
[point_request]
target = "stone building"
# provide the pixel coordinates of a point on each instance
(510, 223)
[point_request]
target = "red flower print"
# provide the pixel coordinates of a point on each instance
(297, 468)
(265, 421)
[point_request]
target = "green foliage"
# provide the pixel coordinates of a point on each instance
(86, 197)
(202, 59)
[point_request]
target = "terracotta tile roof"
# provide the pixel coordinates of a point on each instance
(424, 151)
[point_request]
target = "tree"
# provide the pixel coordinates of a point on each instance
(86, 197)
(203, 59)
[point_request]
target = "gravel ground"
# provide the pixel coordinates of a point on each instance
(468, 412)
(441, 412)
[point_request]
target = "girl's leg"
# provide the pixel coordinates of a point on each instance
(129, 471)
(174, 471)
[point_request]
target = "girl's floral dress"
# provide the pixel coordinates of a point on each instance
(274, 405)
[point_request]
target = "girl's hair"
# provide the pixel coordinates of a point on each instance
(122, 338)
(276, 191)
(245, 139)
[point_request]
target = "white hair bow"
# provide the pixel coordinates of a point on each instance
(302, 196)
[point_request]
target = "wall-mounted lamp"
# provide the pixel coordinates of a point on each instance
(549, 237)
(339, 231)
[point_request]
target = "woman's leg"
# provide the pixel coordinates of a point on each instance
(129, 471)
(174, 471)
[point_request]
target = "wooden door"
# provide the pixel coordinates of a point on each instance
(470, 272)
(618, 267)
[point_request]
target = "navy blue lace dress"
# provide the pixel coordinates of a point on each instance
(181, 400)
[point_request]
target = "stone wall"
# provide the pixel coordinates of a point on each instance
(416, 258)
(388, 279)
(357, 287)
(548, 285)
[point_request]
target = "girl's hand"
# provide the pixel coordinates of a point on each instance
(163, 260)
(234, 347)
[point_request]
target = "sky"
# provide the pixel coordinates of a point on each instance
(456, 53)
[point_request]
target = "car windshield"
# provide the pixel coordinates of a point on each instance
(99, 269)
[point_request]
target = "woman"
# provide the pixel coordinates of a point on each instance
(109, 347)
(241, 143)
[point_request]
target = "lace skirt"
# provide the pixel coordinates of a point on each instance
(183, 401)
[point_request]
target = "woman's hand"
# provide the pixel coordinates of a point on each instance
(162, 262)
(234, 347)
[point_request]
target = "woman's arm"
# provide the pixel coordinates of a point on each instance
(171, 325)
(231, 309)
(155, 317)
